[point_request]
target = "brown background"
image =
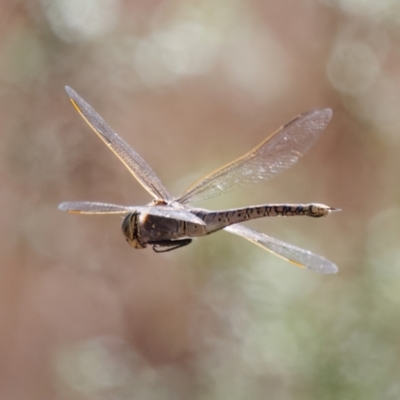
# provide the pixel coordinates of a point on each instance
(191, 85)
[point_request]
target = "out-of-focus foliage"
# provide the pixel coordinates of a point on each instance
(191, 85)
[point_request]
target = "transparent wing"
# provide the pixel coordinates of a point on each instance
(87, 207)
(132, 160)
(173, 213)
(300, 257)
(276, 153)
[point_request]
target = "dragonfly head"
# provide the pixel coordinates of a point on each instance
(131, 231)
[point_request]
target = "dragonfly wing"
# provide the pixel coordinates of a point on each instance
(173, 213)
(87, 207)
(300, 257)
(132, 160)
(276, 153)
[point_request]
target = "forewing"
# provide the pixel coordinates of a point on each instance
(132, 160)
(275, 154)
(300, 257)
(177, 214)
(87, 207)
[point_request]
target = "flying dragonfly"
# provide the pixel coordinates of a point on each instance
(168, 223)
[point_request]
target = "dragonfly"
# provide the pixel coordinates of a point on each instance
(169, 223)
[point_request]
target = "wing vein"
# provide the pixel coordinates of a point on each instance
(132, 160)
(275, 154)
(297, 256)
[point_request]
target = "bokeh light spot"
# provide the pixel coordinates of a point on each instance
(75, 20)
(353, 67)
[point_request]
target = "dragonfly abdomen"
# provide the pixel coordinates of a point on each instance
(288, 210)
(216, 220)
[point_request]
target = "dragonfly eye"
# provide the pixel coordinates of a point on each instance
(130, 230)
(129, 226)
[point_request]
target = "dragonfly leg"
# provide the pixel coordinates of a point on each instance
(162, 246)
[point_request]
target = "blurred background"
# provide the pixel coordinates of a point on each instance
(192, 84)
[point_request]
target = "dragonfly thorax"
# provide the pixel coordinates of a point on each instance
(131, 231)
